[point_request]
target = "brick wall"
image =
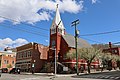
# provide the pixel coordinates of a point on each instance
(7, 60)
(36, 55)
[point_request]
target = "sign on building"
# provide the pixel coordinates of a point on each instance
(65, 68)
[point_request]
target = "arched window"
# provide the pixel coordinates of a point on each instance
(59, 30)
(53, 31)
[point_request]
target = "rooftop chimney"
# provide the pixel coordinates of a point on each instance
(110, 45)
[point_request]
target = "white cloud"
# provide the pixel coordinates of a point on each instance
(70, 6)
(94, 1)
(7, 42)
(27, 10)
(1, 20)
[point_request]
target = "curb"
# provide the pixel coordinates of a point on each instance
(63, 75)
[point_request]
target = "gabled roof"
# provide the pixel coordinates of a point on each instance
(70, 40)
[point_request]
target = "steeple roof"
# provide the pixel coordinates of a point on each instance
(57, 22)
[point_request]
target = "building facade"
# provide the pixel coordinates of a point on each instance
(115, 50)
(7, 59)
(112, 50)
(31, 57)
(61, 43)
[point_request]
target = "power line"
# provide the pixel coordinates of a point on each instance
(24, 30)
(116, 43)
(98, 41)
(101, 33)
(18, 27)
(25, 23)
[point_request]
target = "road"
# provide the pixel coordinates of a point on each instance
(114, 75)
(109, 75)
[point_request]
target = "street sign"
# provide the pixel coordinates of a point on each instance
(33, 65)
(65, 68)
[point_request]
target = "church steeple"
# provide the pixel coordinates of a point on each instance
(57, 23)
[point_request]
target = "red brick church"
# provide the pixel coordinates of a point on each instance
(34, 56)
(61, 42)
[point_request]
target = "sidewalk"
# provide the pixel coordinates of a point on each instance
(46, 74)
(59, 75)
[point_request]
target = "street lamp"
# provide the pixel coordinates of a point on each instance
(74, 23)
(55, 60)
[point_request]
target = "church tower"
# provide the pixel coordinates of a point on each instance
(57, 30)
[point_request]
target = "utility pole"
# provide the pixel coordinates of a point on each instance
(74, 23)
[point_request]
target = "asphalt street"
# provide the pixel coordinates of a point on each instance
(109, 75)
(112, 75)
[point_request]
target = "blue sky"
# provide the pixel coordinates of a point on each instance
(95, 16)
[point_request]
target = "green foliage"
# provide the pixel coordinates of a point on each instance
(109, 56)
(9, 66)
(116, 57)
(104, 58)
(0, 63)
(89, 54)
(71, 55)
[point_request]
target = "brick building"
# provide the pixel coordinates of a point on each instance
(112, 50)
(31, 57)
(7, 59)
(115, 50)
(61, 42)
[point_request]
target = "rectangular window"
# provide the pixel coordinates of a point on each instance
(12, 62)
(20, 55)
(24, 54)
(29, 53)
(6, 61)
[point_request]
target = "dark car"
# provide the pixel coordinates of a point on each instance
(15, 71)
(4, 70)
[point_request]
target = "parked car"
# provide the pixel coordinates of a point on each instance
(4, 70)
(15, 71)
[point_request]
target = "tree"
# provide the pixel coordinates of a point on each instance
(89, 54)
(108, 59)
(116, 58)
(103, 58)
(71, 55)
(9, 66)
